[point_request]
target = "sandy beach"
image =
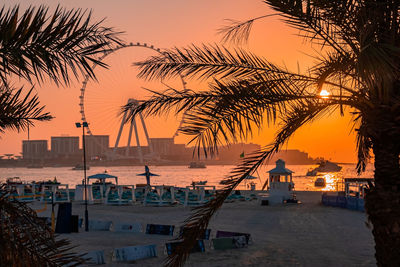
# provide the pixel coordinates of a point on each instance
(306, 234)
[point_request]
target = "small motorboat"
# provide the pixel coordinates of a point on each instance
(324, 166)
(197, 165)
(320, 182)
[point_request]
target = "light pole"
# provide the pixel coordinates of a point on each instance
(83, 125)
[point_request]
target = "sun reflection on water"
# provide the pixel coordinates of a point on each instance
(333, 181)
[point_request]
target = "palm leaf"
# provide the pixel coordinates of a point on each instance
(66, 42)
(238, 31)
(25, 240)
(199, 219)
(17, 112)
(209, 61)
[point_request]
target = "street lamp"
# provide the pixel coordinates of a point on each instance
(83, 125)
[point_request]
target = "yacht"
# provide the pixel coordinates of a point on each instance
(324, 166)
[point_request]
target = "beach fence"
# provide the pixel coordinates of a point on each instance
(352, 197)
(346, 202)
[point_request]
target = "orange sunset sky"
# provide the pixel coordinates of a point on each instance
(165, 24)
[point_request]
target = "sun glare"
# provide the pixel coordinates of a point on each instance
(324, 94)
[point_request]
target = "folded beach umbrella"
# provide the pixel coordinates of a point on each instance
(147, 173)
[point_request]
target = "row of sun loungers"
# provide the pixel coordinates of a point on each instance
(223, 240)
(126, 195)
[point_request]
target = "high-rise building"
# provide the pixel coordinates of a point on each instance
(162, 146)
(97, 146)
(64, 146)
(34, 149)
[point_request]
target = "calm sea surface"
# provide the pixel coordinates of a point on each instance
(181, 175)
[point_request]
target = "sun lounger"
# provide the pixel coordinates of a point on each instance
(95, 225)
(95, 257)
(171, 247)
(159, 196)
(159, 229)
(134, 253)
(229, 242)
(206, 234)
(127, 227)
(232, 234)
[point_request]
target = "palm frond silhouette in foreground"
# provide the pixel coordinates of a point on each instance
(36, 44)
(359, 66)
(18, 114)
(35, 47)
(25, 240)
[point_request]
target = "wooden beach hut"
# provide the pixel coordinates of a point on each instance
(280, 183)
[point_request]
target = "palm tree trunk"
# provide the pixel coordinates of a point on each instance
(383, 200)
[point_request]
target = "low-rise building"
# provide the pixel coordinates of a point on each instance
(34, 149)
(64, 146)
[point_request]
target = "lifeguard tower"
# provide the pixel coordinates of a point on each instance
(280, 184)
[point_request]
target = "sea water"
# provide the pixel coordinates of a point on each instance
(183, 176)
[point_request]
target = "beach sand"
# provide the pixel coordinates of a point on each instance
(306, 234)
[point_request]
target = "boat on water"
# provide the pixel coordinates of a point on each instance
(80, 167)
(197, 165)
(320, 182)
(199, 182)
(324, 166)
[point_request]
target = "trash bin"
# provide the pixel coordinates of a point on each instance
(63, 225)
(75, 223)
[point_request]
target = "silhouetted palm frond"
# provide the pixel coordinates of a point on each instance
(359, 65)
(17, 112)
(216, 116)
(209, 61)
(26, 240)
(35, 44)
(238, 31)
(198, 221)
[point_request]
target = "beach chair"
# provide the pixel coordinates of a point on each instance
(119, 195)
(171, 247)
(159, 196)
(95, 257)
(180, 195)
(205, 236)
(159, 229)
(95, 225)
(134, 253)
(220, 234)
(127, 227)
(223, 243)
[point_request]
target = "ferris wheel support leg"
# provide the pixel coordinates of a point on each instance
(138, 142)
(129, 140)
(146, 133)
(120, 132)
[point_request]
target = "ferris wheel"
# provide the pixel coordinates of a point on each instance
(100, 102)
